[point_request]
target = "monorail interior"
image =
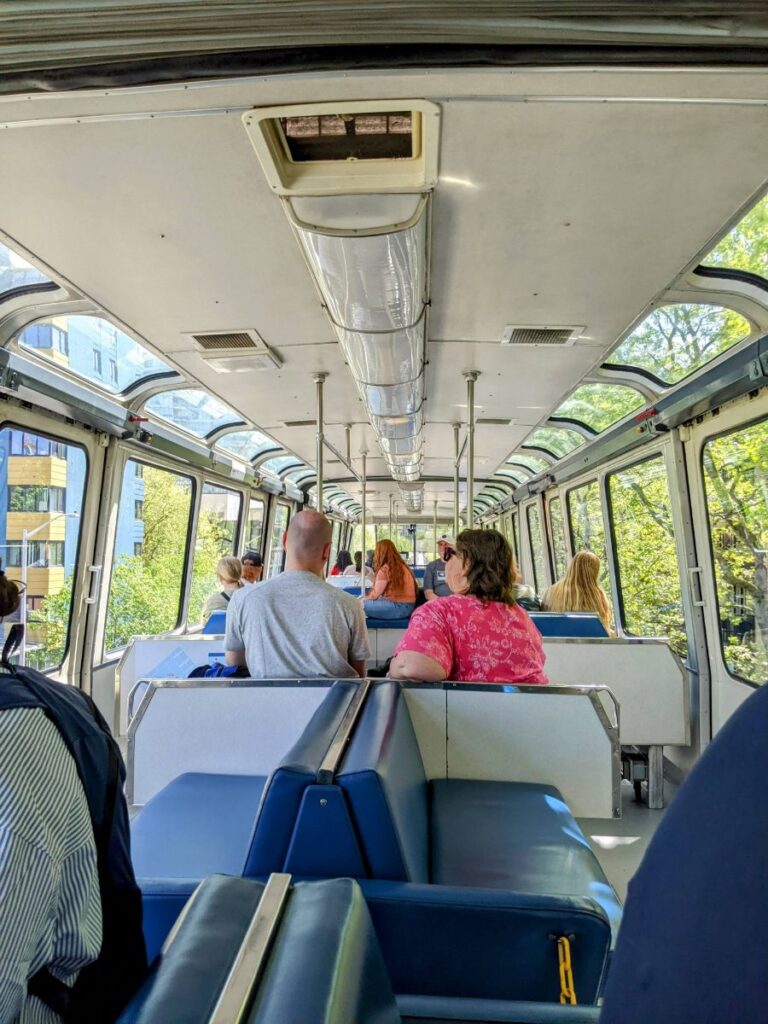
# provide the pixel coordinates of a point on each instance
(530, 298)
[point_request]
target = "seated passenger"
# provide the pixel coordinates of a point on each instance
(356, 569)
(479, 634)
(296, 626)
(393, 595)
(435, 584)
(579, 590)
(525, 595)
(253, 566)
(369, 559)
(343, 561)
(229, 573)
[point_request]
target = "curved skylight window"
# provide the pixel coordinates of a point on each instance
(677, 339)
(16, 272)
(559, 440)
(192, 410)
(511, 474)
(277, 465)
(532, 462)
(745, 247)
(247, 444)
(599, 406)
(299, 474)
(94, 349)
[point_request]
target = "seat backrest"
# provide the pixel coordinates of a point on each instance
(285, 787)
(383, 777)
(325, 966)
(568, 624)
(217, 623)
(186, 983)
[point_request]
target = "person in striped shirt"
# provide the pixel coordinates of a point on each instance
(50, 906)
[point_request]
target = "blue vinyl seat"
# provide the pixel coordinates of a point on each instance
(583, 624)
(217, 623)
(387, 623)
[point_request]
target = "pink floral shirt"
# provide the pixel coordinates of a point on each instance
(476, 642)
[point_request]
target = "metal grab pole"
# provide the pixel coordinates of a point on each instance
(471, 376)
(391, 499)
(23, 604)
(456, 429)
(319, 382)
(434, 530)
(362, 542)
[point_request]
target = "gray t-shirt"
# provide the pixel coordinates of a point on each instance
(297, 626)
(434, 578)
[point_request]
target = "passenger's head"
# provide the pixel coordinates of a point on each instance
(307, 542)
(10, 595)
(482, 564)
(229, 571)
(369, 557)
(252, 566)
(386, 554)
(343, 559)
(584, 571)
(580, 590)
(358, 561)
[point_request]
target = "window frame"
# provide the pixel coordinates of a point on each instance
(557, 497)
(277, 503)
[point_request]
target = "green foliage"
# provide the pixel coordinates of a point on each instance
(600, 405)
(746, 246)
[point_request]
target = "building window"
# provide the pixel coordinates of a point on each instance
(41, 554)
(113, 372)
(139, 470)
(138, 509)
(138, 549)
(60, 340)
(97, 362)
(24, 443)
(35, 498)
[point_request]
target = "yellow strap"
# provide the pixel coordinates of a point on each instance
(567, 991)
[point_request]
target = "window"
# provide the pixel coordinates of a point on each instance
(81, 343)
(279, 526)
(247, 444)
(52, 536)
(534, 463)
(513, 537)
(16, 272)
(557, 528)
(138, 548)
(560, 441)
(679, 338)
(745, 247)
(255, 529)
(736, 484)
(599, 406)
(36, 498)
(335, 543)
(146, 588)
(215, 537)
(274, 467)
(585, 518)
(195, 411)
(138, 509)
(536, 547)
(646, 557)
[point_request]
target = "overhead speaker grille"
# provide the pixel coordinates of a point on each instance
(235, 351)
(529, 334)
(227, 342)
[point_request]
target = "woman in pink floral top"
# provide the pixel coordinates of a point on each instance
(478, 634)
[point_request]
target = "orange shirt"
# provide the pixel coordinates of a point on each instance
(381, 587)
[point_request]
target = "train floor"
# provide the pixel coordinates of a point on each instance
(619, 844)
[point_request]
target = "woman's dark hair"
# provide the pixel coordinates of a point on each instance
(10, 595)
(489, 565)
(343, 560)
(358, 561)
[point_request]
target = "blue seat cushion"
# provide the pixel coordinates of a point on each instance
(387, 623)
(216, 624)
(513, 835)
(431, 1010)
(585, 624)
(199, 824)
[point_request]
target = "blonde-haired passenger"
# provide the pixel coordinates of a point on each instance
(229, 575)
(579, 590)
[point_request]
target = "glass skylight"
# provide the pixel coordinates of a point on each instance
(16, 272)
(276, 465)
(192, 410)
(559, 440)
(677, 339)
(600, 405)
(518, 477)
(532, 462)
(94, 349)
(246, 444)
(745, 247)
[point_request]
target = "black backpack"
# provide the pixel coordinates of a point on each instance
(103, 987)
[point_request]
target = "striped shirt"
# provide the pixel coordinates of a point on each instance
(50, 908)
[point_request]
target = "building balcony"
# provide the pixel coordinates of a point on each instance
(45, 470)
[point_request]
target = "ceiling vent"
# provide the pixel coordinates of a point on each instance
(532, 334)
(299, 423)
(236, 351)
(494, 421)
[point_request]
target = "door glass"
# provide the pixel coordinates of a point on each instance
(150, 553)
(585, 518)
(42, 482)
(255, 529)
(557, 527)
(736, 482)
(214, 538)
(536, 542)
(276, 553)
(646, 557)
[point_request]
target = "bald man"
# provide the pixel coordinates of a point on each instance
(295, 625)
